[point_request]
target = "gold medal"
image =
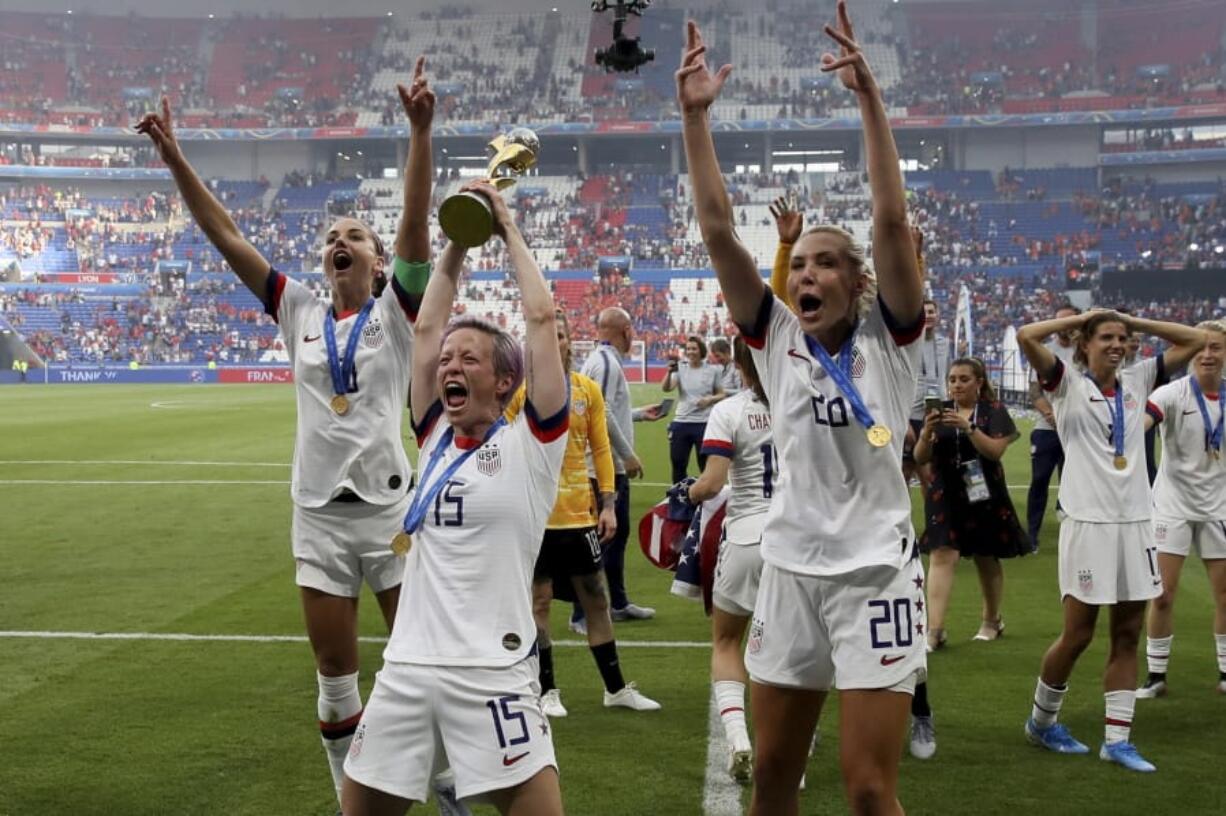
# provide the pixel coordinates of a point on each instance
(402, 543)
(879, 436)
(340, 405)
(1120, 462)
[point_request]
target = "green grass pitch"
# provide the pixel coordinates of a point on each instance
(157, 727)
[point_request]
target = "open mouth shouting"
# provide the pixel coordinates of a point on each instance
(341, 260)
(455, 395)
(808, 306)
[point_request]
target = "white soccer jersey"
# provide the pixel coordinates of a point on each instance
(1191, 483)
(361, 451)
(739, 428)
(1091, 489)
(1065, 355)
(840, 504)
(466, 599)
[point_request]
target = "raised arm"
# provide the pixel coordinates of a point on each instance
(246, 261)
(1185, 341)
(432, 319)
(413, 233)
(898, 279)
(789, 223)
(697, 89)
(1030, 339)
(544, 377)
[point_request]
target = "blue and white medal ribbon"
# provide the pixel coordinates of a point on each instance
(342, 371)
(427, 490)
(1117, 427)
(1213, 433)
(878, 435)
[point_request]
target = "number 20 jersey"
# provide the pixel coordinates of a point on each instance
(840, 503)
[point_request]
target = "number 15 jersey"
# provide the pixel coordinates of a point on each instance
(840, 503)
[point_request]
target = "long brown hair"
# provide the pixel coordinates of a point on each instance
(1090, 328)
(749, 372)
(986, 391)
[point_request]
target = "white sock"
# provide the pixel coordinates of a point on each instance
(1120, 705)
(1220, 639)
(340, 709)
(1158, 653)
(730, 697)
(1047, 702)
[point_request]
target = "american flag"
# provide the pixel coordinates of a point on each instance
(700, 550)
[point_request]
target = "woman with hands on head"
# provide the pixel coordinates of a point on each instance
(840, 601)
(1107, 553)
(458, 673)
(351, 362)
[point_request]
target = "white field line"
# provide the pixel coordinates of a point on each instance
(721, 795)
(1017, 488)
(153, 462)
(194, 463)
(187, 637)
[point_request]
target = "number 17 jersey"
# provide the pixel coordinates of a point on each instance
(840, 503)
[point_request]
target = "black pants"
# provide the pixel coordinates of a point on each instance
(614, 553)
(682, 437)
(1046, 455)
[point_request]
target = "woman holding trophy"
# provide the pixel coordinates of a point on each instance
(460, 675)
(351, 372)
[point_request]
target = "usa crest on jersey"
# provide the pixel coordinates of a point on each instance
(489, 461)
(372, 334)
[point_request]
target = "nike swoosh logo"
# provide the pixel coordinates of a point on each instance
(507, 762)
(1092, 399)
(1190, 413)
(306, 338)
(890, 661)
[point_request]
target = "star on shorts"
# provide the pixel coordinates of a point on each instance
(918, 581)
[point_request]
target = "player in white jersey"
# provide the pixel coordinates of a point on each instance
(351, 372)
(838, 602)
(1107, 557)
(739, 453)
(459, 680)
(1189, 499)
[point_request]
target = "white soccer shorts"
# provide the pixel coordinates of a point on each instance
(738, 571)
(861, 630)
(339, 545)
(1104, 564)
(1181, 537)
(486, 723)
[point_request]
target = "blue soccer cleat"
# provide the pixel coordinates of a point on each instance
(1125, 753)
(1054, 737)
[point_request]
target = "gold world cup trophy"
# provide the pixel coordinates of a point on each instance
(466, 217)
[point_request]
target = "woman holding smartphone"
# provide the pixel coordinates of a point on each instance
(967, 507)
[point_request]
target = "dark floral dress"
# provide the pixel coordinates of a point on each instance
(989, 527)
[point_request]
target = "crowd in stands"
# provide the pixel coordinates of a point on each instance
(1010, 238)
(953, 57)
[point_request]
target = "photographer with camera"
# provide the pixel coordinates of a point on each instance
(698, 383)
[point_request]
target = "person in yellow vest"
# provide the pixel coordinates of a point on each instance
(570, 559)
(22, 367)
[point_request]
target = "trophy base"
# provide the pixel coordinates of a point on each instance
(466, 218)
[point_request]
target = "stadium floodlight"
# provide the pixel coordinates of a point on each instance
(625, 54)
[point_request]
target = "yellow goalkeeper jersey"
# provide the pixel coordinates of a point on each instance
(575, 505)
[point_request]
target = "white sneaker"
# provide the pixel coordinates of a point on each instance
(633, 612)
(923, 738)
(1221, 683)
(551, 704)
(740, 767)
(579, 627)
(629, 696)
(1152, 689)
